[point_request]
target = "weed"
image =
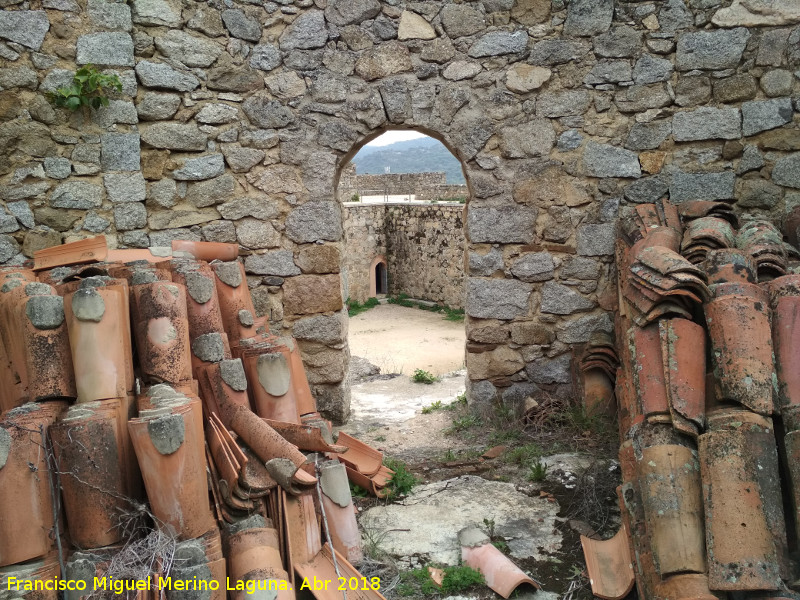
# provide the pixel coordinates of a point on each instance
(380, 438)
(405, 589)
(355, 198)
(402, 481)
(421, 376)
(433, 406)
(373, 543)
(498, 437)
(453, 314)
(88, 90)
(538, 472)
(356, 308)
(402, 300)
(459, 579)
(501, 545)
(523, 454)
(461, 400)
(456, 579)
(357, 491)
(463, 423)
(467, 454)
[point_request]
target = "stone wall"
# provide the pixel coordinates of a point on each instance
(234, 120)
(423, 246)
(422, 186)
(364, 240)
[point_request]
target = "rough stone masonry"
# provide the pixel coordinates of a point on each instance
(235, 118)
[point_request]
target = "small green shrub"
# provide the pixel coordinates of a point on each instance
(356, 308)
(463, 423)
(433, 406)
(523, 454)
(88, 90)
(355, 198)
(380, 438)
(453, 314)
(421, 376)
(459, 579)
(461, 400)
(356, 491)
(402, 481)
(538, 472)
(456, 579)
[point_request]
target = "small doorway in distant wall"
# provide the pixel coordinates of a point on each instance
(379, 279)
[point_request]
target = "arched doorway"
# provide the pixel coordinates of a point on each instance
(404, 239)
(379, 278)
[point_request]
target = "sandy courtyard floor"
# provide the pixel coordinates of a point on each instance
(399, 339)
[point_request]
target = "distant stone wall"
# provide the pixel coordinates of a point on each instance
(425, 252)
(423, 244)
(392, 184)
(364, 239)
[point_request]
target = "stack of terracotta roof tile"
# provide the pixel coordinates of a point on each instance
(142, 378)
(596, 365)
(704, 475)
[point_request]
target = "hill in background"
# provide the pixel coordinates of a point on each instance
(422, 155)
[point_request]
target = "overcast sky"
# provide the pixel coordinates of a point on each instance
(390, 137)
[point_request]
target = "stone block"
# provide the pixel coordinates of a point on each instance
(306, 32)
(314, 221)
(309, 294)
(505, 225)
(648, 136)
(160, 75)
(534, 266)
(276, 262)
(596, 239)
(711, 50)
(761, 115)
(787, 171)
(562, 300)
(252, 233)
(200, 168)
(24, 27)
(588, 17)
(188, 49)
(323, 329)
(580, 330)
(498, 298)
(604, 160)
(550, 370)
(500, 362)
(533, 138)
(130, 215)
(107, 48)
(119, 151)
(77, 194)
(174, 136)
(701, 186)
(737, 87)
(759, 193)
(497, 43)
(125, 187)
(485, 265)
(317, 258)
(707, 123)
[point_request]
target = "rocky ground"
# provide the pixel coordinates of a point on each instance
(554, 479)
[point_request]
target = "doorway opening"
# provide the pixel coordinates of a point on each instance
(381, 281)
(404, 196)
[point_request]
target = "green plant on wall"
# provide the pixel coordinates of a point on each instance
(89, 89)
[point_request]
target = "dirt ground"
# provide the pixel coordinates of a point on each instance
(446, 443)
(399, 339)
